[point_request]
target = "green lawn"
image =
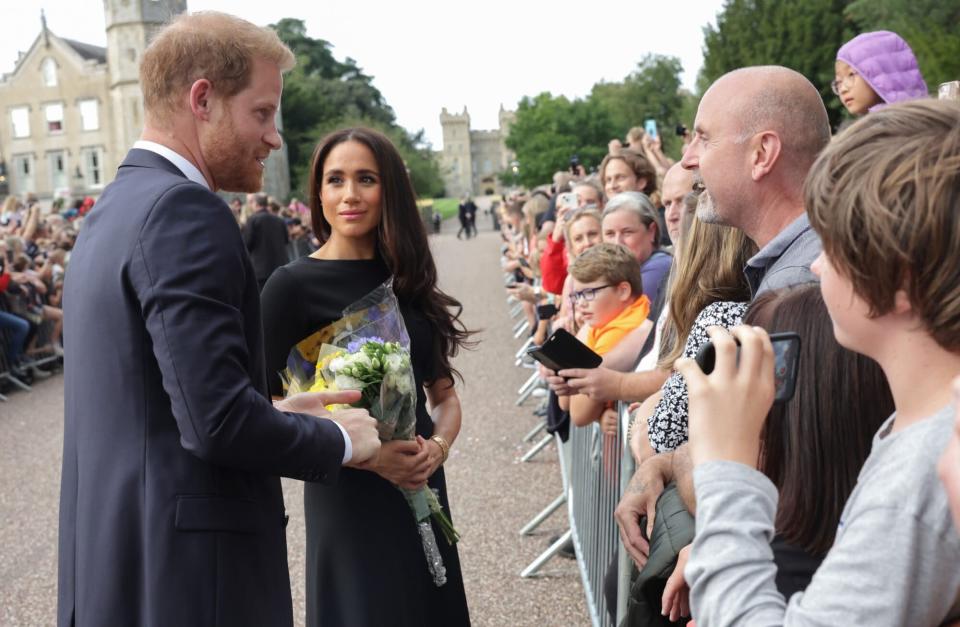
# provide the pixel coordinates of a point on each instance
(446, 207)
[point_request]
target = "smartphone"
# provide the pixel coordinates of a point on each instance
(568, 199)
(545, 312)
(562, 351)
(650, 128)
(523, 262)
(949, 91)
(786, 351)
(575, 165)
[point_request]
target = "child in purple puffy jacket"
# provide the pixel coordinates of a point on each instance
(876, 69)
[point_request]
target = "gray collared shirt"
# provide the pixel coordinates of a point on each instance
(785, 260)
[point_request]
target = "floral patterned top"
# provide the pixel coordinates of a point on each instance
(667, 427)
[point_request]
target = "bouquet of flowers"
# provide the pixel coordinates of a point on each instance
(368, 350)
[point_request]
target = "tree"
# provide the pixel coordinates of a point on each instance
(800, 34)
(651, 91)
(322, 94)
(929, 26)
(549, 130)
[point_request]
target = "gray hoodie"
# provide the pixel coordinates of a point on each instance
(895, 560)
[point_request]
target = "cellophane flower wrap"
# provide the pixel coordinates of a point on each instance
(368, 350)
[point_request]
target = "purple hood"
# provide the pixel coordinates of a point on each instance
(887, 63)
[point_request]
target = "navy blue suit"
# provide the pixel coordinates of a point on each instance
(171, 511)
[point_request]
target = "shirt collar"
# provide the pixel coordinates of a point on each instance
(780, 243)
(189, 170)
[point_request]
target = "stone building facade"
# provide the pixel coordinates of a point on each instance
(471, 160)
(72, 110)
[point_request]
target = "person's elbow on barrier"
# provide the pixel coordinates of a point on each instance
(640, 500)
(584, 411)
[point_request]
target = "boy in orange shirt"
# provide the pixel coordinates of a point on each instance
(608, 297)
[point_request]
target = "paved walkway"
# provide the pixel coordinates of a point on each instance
(492, 494)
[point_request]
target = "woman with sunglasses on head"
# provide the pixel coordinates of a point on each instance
(365, 562)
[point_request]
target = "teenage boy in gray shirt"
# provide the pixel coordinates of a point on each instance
(883, 199)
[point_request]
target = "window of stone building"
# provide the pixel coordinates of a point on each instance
(92, 167)
(49, 70)
(23, 174)
(20, 117)
(89, 115)
(57, 162)
(54, 115)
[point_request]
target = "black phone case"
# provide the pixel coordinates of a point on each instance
(562, 351)
(706, 359)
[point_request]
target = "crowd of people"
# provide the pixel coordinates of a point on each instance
(34, 248)
(824, 507)
(837, 505)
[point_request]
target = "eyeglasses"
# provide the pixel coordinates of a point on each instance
(846, 81)
(587, 294)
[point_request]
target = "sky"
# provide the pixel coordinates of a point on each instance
(426, 54)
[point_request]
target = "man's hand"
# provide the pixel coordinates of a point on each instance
(640, 499)
(557, 383)
(315, 403)
(360, 426)
(600, 384)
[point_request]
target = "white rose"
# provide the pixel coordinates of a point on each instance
(343, 382)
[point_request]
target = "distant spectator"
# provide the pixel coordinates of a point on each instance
(265, 236)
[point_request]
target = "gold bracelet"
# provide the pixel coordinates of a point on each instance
(444, 447)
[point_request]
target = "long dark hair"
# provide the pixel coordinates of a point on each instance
(401, 243)
(812, 447)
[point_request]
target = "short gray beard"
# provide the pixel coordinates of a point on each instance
(706, 211)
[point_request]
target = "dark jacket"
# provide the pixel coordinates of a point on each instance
(673, 529)
(171, 511)
(265, 236)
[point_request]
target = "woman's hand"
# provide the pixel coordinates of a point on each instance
(434, 455)
(676, 594)
(405, 463)
(727, 408)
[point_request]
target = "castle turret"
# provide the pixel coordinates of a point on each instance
(456, 161)
(131, 24)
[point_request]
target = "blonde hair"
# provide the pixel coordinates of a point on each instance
(613, 263)
(575, 216)
(884, 197)
(216, 46)
(709, 270)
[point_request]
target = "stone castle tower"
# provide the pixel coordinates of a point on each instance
(471, 160)
(131, 24)
(72, 110)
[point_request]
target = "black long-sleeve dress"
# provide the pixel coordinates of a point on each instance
(365, 564)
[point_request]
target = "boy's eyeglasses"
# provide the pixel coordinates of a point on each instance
(587, 294)
(846, 81)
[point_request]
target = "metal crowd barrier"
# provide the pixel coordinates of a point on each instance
(595, 470)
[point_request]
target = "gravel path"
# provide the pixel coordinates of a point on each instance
(492, 494)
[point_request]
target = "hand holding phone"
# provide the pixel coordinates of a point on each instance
(562, 351)
(786, 353)
(727, 409)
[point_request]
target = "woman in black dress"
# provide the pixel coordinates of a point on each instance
(365, 562)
